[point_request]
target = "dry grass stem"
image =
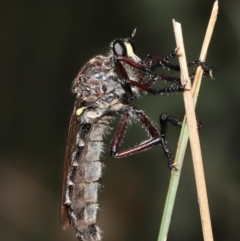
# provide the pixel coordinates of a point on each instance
(194, 138)
(182, 144)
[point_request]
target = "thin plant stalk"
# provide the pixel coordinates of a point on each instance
(194, 139)
(183, 139)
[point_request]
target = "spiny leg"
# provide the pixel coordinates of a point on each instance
(165, 62)
(144, 66)
(207, 69)
(116, 141)
(156, 138)
(163, 120)
(126, 82)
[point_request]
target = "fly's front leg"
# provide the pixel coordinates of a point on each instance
(144, 66)
(165, 62)
(157, 138)
(207, 69)
(161, 62)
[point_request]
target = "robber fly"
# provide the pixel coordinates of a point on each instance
(104, 86)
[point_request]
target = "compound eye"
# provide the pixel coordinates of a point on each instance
(119, 48)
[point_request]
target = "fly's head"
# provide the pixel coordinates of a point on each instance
(128, 66)
(124, 47)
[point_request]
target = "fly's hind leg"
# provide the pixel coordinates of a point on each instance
(156, 137)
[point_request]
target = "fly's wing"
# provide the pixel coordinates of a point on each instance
(71, 144)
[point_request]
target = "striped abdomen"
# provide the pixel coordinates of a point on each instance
(82, 181)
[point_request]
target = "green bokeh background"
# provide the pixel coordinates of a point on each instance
(43, 44)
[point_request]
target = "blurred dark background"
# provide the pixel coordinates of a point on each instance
(43, 44)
